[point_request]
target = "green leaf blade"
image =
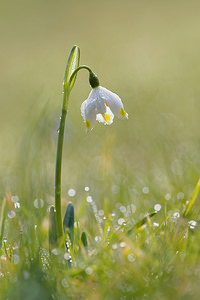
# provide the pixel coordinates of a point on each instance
(72, 65)
(193, 198)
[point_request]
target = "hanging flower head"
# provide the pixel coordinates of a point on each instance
(101, 105)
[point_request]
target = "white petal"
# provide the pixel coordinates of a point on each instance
(83, 106)
(100, 105)
(106, 118)
(88, 111)
(114, 102)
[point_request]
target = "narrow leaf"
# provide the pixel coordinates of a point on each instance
(72, 65)
(142, 222)
(68, 222)
(193, 198)
(52, 228)
(84, 240)
(3, 215)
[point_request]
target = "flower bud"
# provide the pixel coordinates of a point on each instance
(93, 79)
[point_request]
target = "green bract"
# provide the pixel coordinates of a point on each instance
(72, 65)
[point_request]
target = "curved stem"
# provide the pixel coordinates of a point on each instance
(61, 130)
(67, 90)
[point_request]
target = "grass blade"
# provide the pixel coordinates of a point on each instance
(3, 216)
(142, 222)
(68, 222)
(193, 198)
(52, 228)
(84, 240)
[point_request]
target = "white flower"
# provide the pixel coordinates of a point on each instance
(102, 105)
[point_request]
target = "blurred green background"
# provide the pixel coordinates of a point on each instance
(146, 51)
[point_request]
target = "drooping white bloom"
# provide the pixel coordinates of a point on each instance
(102, 105)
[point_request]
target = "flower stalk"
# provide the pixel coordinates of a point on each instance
(67, 86)
(101, 105)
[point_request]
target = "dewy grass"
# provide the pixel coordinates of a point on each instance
(138, 254)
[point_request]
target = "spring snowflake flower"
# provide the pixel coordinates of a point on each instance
(102, 105)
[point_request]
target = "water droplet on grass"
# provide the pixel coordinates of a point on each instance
(180, 196)
(123, 209)
(55, 251)
(168, 196)
(114, 246)
(131, 257)
(157, 207)
(89, 199)
(101, 212)
(120, 221)
(87, 188)
(176, 215)
(145, 190)
(192, 224)
(67, 256)
(88, 270)
(133, 208)
(38, 203)
(97, 238)
(71, 192)
(15, 198)
(65, 283)
(122, 244)
(11, 214)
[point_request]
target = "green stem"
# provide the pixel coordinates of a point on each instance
(58, 168)
(61, 130)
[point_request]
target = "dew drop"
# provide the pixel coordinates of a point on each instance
(122, 209)
(15, 198)
(145, 190)
(120, 221)
(122, 244)
(168, 196)
(38, 203)
(133, 208)
(71, 192)
(88, 270)
(55, 251)
(114, 246)
(131, 257)
(180, 196)
(192, 224)
(101, 212)
(65, 283)
(89, 199)
(11, 214)
(176, 215)
(157, 207)
(67, 256)
(97, 238)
